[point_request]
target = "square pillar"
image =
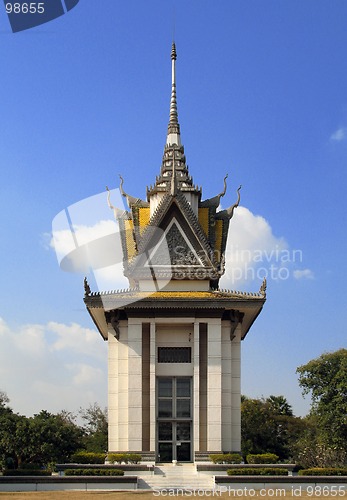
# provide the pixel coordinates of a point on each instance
(196, 386)
(123, 389)
(112, 391)
(134, 384)
(236, 390)
(152, 384)
(214, 384)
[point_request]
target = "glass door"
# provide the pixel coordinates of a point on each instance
(174, 419)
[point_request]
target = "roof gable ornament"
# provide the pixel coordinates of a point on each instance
(116, 211)
(215, 201)
(229, 212)
(130, 199)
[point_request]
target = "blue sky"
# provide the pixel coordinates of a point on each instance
(262, 95)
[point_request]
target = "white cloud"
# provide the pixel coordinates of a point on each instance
(339, 135)
(87, 248)
(46, 366)
(74, 338)
(85, 234)
(30, 339)
(253, 251)
(62, 239)
(84, 375)
(303, 274)
(111, 278)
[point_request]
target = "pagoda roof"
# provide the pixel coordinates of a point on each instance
(202, 304)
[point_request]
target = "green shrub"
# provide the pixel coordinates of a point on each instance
(132, 458)
(250, 471)
(262, 458)
(31, 466)
(94, 472)
(226, 458)
(323, 471)
(26, 472)
(87, 457)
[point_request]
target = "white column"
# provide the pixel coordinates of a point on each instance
(152, 414)
(214, 385)
(112, 392)
(123, 390)
(226, 388)
(196, 404)
(134, 384)
(236, 390)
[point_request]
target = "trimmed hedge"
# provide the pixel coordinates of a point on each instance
(94, 472)
(31, 466)
(249, 471)
(262, 458)
(321, 471)
(88, 457)
(226, 458)
(26, 472)
(132, 458)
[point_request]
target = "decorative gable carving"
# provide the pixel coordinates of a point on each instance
(175, 247)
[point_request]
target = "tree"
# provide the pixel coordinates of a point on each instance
(4, 399)
(49, 438)
(96, 428)
(257, 427)
(7, 429)
(40, 439)
(326, 379)
(280, 405)
(55, 438)
(310, 450)
(268, 426)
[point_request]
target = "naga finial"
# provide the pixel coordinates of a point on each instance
(130, 199)
(225, 187)
(215, 201)
(117, 211)
(230, 210)
(87, 290)
(220, 195)
(121, 186)
(222, 265)
(262, 290)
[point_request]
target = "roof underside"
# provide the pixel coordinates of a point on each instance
(184, 304)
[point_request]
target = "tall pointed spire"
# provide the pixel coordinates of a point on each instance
(173, 132)
(174, 176)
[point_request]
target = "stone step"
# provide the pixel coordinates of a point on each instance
(179, 476)
(166, 483)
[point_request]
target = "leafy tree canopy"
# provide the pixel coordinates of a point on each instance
(326, 379)
(268, 426)
(95, 427)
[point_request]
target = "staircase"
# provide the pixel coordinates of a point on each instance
(180, 476)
